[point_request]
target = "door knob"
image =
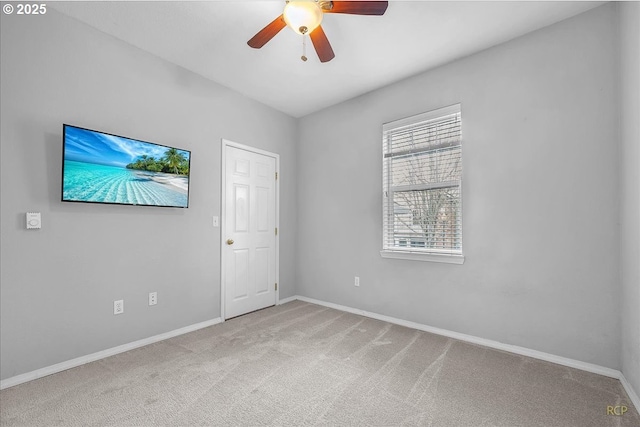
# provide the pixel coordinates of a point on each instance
(229, 241)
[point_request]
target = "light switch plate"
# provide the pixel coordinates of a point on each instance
(33, 220)
(216, 221)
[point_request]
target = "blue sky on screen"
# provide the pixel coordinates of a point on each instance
(88, 146)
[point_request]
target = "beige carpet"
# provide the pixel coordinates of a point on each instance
(302, 364)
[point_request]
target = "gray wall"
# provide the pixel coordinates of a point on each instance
(59, 283)
(630, 189)
(540, 196)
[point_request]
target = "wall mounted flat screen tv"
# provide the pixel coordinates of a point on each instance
(98, 167)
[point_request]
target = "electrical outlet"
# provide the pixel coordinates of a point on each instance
(118, 307)
(357, 281)
(153, 298)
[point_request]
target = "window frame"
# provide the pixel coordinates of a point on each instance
(410, 252)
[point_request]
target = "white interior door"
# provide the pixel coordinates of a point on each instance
(249, 231)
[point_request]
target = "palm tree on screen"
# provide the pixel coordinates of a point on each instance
(174, 159)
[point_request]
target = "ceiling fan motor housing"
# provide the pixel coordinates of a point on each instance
(325, 4)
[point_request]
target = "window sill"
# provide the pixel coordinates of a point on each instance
(418, 256)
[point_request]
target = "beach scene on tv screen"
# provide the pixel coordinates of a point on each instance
(106, 168)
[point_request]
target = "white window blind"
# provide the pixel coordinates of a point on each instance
(422, 183)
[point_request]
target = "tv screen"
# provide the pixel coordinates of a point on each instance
(98, 167)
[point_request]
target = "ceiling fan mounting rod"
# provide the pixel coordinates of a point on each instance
(324, 4)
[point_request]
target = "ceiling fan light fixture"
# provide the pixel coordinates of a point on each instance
(302, 16)
(305, 17)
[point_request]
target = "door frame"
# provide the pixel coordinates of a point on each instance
(223, 221)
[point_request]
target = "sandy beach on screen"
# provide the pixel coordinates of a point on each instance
(180, 183)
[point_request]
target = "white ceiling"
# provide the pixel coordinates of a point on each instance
(210, 38)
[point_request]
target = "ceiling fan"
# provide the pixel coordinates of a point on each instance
(304, 17)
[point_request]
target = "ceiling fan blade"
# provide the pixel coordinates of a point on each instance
(358, 7)
(322, 45)
(267, 33)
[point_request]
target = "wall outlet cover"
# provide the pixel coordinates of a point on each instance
(118, 307)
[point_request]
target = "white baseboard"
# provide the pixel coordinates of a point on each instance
(523, 351)
(63, 366)
(631, 392)
(286, 300)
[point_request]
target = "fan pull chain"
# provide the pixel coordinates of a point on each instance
(304, 48)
